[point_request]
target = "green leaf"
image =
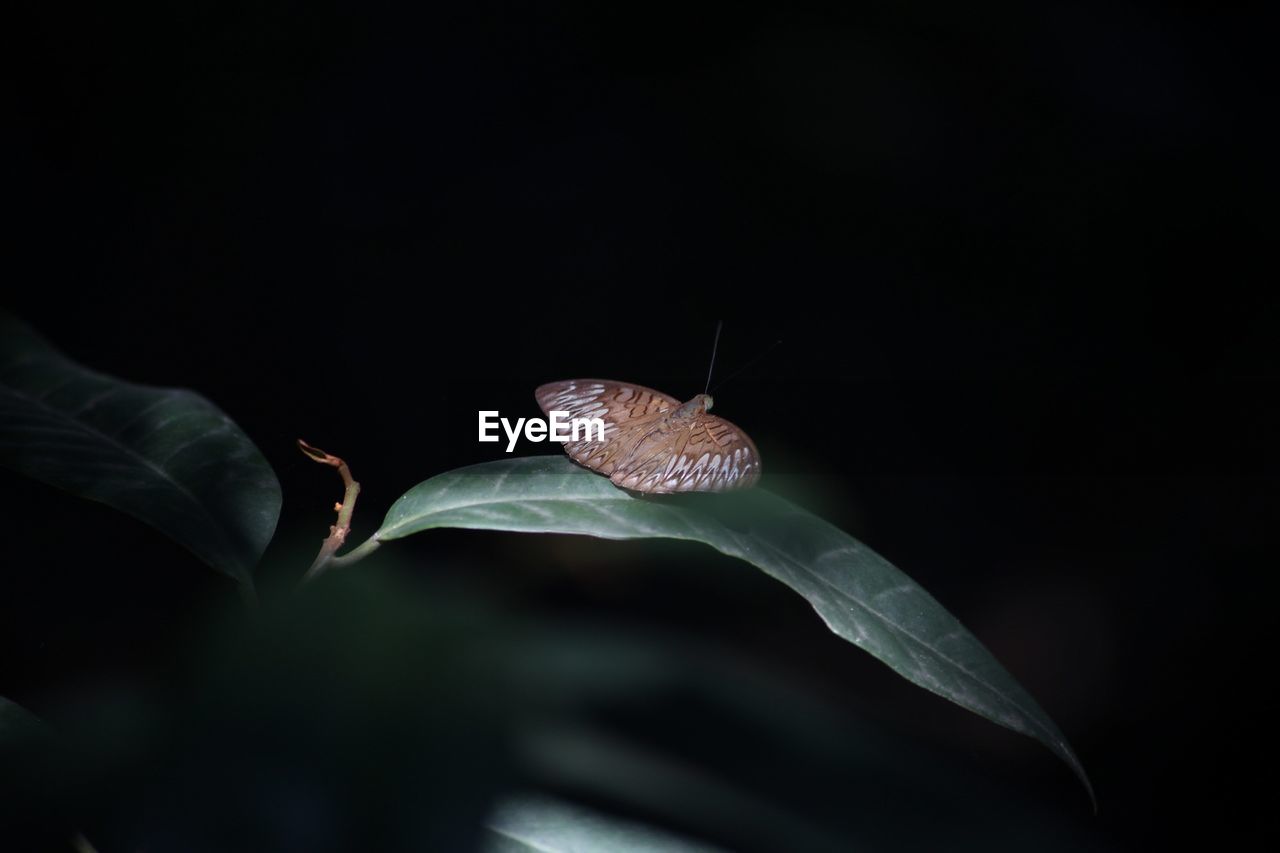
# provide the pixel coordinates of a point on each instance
(166, 456)
(536, 824)
(860, 595)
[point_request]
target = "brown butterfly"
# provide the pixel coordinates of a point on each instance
(652, 443)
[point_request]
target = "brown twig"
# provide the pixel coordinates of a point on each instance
(337, 532)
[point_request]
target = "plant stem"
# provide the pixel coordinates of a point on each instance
(357, 553)
(337, 532)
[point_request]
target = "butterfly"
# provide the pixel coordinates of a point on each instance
(652, 442)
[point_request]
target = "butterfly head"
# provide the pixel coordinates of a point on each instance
(696, 406)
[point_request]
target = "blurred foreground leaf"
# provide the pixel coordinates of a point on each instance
(18, 726)
(382, 711)
(860, 595)
(24, 747)
(536, 824)
(166, 456)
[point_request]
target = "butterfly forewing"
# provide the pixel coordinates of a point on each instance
(599, 398)
(646, 447)
(624, 408)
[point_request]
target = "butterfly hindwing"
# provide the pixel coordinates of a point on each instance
(709, 454)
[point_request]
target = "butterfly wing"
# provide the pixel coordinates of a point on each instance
(629, 412)
(703, 454)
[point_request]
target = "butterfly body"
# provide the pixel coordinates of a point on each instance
(652, 443)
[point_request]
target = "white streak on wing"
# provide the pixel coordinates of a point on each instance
(671, 466)
(712, 470)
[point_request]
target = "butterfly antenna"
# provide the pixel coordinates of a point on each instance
(715, 344)
(767, 350)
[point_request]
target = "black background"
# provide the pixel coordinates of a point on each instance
(1005, 249)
